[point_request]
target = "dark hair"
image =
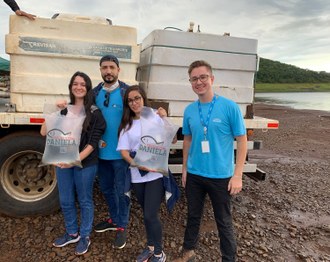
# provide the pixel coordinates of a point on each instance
(128, 114)
(199, 63)
(109, 58)
(88, 99)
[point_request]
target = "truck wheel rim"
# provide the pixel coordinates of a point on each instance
(23, 179)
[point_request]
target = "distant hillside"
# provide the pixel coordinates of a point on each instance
(276, 72)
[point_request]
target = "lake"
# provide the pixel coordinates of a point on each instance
(297, 100)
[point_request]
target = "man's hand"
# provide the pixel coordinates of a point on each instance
(235, 185)
(22, 13)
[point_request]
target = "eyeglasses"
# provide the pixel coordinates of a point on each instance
(136, 99)
(106, 99)
(203, 79)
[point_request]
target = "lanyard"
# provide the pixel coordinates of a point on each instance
(206, 123)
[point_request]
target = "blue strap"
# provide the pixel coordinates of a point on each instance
(205, 123)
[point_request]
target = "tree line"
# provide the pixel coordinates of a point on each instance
(276, 72)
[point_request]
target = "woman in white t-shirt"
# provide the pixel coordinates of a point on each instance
(148, 186)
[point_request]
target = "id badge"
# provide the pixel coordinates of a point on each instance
(205, 146)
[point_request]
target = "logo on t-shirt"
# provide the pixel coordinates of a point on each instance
(216, 120)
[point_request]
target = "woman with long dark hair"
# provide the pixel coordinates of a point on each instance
(148, 186)
(73, 180)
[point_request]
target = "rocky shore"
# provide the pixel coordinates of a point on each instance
(284, 218)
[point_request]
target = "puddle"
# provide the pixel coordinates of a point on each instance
(309, 219)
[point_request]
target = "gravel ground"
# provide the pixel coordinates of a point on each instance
(284, 218)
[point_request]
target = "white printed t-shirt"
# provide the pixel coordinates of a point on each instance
(130, 140)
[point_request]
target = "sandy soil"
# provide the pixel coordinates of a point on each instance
(284, 218)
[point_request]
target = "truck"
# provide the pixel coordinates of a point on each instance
(45, 53)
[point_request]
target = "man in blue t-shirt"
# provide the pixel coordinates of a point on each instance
(112, 168)
(210, 126)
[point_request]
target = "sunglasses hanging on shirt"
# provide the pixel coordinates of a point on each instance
(106, 99)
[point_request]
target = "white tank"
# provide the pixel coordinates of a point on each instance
(45, 53)
(167, 54)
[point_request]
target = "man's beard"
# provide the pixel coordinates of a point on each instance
(106, 79)
(109, 81)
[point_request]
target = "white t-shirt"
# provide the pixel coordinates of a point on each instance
(130, 140)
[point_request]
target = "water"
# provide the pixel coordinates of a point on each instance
(301, 100)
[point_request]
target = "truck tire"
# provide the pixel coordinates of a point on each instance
(25, 188)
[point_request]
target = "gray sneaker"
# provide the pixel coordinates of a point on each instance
(83, 246)
(162, 258)
(66, 239)
(145, 255)
(120, 240)
(105, 226)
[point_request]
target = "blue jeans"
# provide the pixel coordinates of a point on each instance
(111, 174)
(71, 181)
(196, 189)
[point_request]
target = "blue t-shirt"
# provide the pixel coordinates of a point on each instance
(225, 123)
(112, 115)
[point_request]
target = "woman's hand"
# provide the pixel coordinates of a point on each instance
(175, 139)
(64, 165)
(161, 112)
(61, 103)
(143, 168)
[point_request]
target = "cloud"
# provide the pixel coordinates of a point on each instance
(290, 31)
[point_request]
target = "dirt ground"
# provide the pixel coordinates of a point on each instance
(284, 218)
(292, 207)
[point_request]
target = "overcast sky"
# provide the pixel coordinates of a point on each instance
(295, 32)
